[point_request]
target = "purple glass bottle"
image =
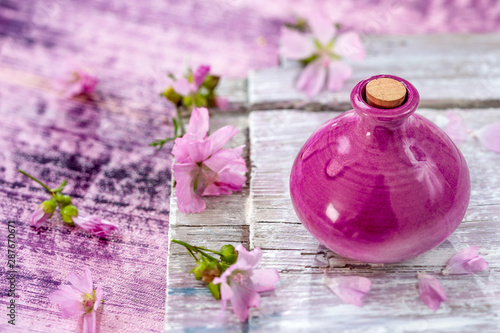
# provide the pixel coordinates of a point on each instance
(380, 185)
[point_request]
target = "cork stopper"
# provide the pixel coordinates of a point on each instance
(385, 93)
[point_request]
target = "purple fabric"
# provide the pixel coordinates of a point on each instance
(101, 146)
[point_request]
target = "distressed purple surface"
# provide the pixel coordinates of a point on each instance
(101, 147)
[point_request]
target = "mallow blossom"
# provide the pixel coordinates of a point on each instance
(466, 261)
(325, 48)
(79, 298)
(430, 291)
(94, 224)
(74, 80)
(350, 289)
(241, 283)
(42, 213)
(202, 167)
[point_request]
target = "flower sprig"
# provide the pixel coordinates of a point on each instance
(69, 212)
(233, 277)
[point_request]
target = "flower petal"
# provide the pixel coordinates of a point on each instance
(38, 217)
(465, 262)
(264, 279)
(247, 259)
(338, 73)
(312, 78)
(349, 289)
(489, 136)
(183, 87)
(430, 290)
(456, 128)
(200, 74)
(294, 44)
(349, 46)
(199, 150)
(81, 283)
(244, 297)
(98, 297)
(68, 299)
(322, 28)
(95, 225)
(180, 149)
(187, 200)
(222, 136)
(198, 124)
(89, 322)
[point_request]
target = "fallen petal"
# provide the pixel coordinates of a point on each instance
(312, 78)
(456, 128)
(430, 291)
(489, 136)
(466, 262)
(349, 289)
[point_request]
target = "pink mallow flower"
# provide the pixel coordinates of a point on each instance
(74, 81)
(241, 283)
(430, 291)
(42, 213)
(94, 224)
(183, 86)
(466, 262)
(79, 298)
(328, 47)
(350, 289)
(202, 167)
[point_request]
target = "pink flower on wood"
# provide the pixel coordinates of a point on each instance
(185, 86)
(328, 48)
(202, 167)
(430, 290)
(74, 81)
(466, 261)
(79, 298)
(241, 283)
(350, 289)
(94, 224)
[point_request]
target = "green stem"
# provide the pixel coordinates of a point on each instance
(36, 180)
(204, 249)
(181, 124)
(192, 248)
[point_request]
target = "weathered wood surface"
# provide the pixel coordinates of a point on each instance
(301, 302)
(447, 70)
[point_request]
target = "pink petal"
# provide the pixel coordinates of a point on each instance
(465, 262)
(349, 46)
(98, 297)
(187, 200)
(338, 73)
(295, 45)
(183, 87)
(200, 74)
(198, 124)
(81, 283)
(38, 217)
(222, 136)
(247, 259)
(68, 299)
(223, 158)
(430, 290)
(456, 128)
(349, 289)
(222, 103)
(89, 322)
(322, 28)
(244, 297)
(312, 78)
(489, 136)
(199, 150)
(264, 279)
(180, 150)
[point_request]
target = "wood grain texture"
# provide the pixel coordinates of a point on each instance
(301, 302)
(447, 70)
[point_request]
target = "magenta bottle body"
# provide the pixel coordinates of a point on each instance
(380, 185)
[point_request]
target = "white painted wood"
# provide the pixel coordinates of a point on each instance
(301, 302)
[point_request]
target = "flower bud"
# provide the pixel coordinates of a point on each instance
(43, 212)
(68, 212)
(171, 95)
(65, 200)
(49, 206)
(228, 254)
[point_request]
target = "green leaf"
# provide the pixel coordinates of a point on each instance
(176, 127)
(172, 95)
(214, 290)
(160, 142)
(211, 82)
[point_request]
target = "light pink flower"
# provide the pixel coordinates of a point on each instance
(183, 86)
(200, 74)
(79, 298)
(74, 81)
(241, 283)
(489, 136)
(456, 128)
(202, 167)
(328, 47)
(465, 262)
(94, 224)
(430, 290)
(42, 213)
(350, 289)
